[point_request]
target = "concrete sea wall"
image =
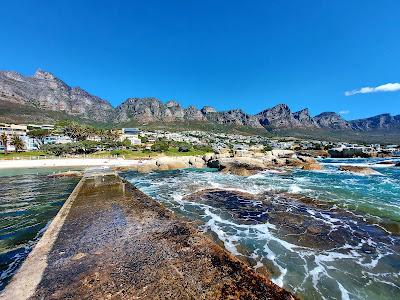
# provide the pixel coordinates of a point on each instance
(110, 240)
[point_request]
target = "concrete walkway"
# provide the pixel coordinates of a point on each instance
(111, 241)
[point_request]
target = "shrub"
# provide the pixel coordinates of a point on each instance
(160, 146)
(267, 148)
(205, 148)
(183, 149)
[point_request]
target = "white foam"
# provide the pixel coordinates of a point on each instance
(295, 189)
(344, 292)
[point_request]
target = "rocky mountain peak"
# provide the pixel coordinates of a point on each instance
(281, 108)
(44, 92)
(12, 75)
(331, 120)
(40, 74)
(377, 122)
(208, 109)
(302, 112)
(278, 116)
(304, 118)
(172, 103)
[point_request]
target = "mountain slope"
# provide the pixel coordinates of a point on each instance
(45, 91)
(45, 98)
(383, 121)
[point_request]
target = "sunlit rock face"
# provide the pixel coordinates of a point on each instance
(45, 91)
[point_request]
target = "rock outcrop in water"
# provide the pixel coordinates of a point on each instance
(250, 165)
(359, 170)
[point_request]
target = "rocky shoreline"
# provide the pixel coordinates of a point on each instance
(235, 163)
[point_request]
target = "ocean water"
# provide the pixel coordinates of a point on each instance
(321, 234)
(29, 200)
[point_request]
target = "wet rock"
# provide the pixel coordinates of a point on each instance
(243, 166)
(386, 162)
(307, 159)
(299, 220)
(147, 167)
(359, 170)
(312, 167)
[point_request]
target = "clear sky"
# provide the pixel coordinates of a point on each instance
(228, 54)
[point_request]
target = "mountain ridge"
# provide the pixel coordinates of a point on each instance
(46, 92)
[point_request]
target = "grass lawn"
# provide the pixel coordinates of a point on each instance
(22, 155)
(129, 154)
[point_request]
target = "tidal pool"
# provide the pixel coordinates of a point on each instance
(29, 200)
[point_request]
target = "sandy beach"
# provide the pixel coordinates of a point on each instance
(67, 162)
(142, 165)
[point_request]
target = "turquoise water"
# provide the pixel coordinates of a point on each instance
(343, 245)
(28, 202)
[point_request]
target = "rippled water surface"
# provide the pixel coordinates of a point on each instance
(322, 235)
(28, 202)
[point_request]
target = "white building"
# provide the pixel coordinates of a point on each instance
(131, 134)
(40, 126)
(11, 130)
(31, 144)
(57, 139)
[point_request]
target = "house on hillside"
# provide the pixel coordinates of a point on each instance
(131, 134)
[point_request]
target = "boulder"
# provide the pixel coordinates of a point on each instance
(147, 168)
(397, 165)
(242, 153)
(243, 166)
(213, 163)
(196, 162)
(307, 159)
(172, 163)
(282, 153)
(294, 162)
(359, 170)
(207, 157)
(312, 167)
(241, 169)
(223, 155)
(125, 168)
(164, 167)
(279, 161)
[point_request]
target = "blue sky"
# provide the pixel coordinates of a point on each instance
(228, 54)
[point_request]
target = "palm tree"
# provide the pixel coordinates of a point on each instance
(17, 142)
(3, 140)
(77, 131)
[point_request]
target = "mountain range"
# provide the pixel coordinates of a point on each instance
(45, 97)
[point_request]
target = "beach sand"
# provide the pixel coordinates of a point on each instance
(66, 162)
